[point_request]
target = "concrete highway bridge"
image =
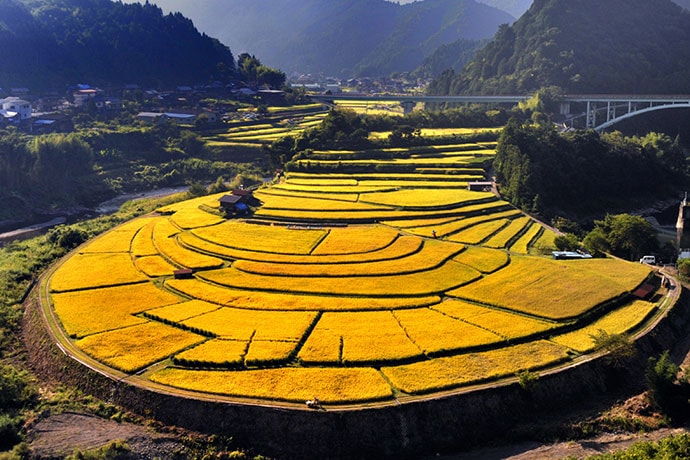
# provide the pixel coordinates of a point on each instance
(589, 111)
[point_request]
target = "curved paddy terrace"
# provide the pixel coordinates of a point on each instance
(403, 302)
(348, 313)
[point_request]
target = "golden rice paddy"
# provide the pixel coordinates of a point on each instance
(349, 287)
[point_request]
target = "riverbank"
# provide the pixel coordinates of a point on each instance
(31, 230)
(25, 230)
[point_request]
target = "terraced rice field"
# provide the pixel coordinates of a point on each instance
(355, 285)
(262, 132)
(371, 107)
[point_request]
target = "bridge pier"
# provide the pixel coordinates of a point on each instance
(683, 215)
(680, 222)
(591, 121)
(408, 106)
(564, 108)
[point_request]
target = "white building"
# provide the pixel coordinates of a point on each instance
(334, 88)
(18, 106)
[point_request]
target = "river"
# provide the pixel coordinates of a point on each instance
(107, 207)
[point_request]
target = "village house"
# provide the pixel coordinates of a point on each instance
(210, 116)
(236, 202)
(16, 109)
(333, 88)
(272, 96)
(51, 122)
(105, 103)
(82, 96)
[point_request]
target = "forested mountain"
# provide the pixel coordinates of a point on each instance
(341, 37)
(514, 7)
(24, 44)
(583, 46)
(53, 42)
(453, 56)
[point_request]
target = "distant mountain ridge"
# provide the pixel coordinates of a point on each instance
(514, 7)
(585, 46)
(50, 43)
(341, 37)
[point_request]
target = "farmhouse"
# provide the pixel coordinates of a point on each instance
(333, 88)
(229, 201)
(236, 202)
(51, 122)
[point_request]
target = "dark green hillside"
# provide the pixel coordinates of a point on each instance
(453, 56)
(22, 44)
(584, 46)
(53, 42)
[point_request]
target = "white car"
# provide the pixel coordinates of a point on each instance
(650, 260)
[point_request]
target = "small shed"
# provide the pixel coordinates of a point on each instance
(183, 273)
(228, 202)
(644, 291)
(480, 186)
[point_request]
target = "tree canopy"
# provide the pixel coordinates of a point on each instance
(584, 172)
(252, 72)
(625, 235)
(98, 41)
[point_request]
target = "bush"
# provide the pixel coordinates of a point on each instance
(528, 380)
(684, 268)
(671, 447)
(9, 431)
(16, 390)
(667, 391)
(113, 451)
(197, 189)
(567, 242)
(620, 348)
(20, 452)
